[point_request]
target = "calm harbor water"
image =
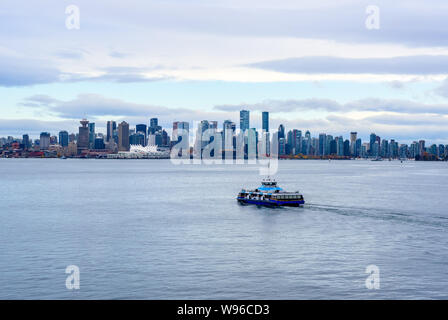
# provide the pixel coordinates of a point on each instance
(146, 229)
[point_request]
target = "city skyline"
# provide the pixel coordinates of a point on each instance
(259, 125)
(291, 142)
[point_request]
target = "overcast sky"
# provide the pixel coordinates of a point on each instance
(313, 64)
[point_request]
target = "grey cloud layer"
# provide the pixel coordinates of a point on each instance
(372, 104)
(15, 72)
(417, 65)
(410, 22)
(108, 24)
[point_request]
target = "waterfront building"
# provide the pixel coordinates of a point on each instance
(63, 139)
(353, 138)
(347, 148)
(123, 136)
(142, 128)
(371, 144)
(340, 146)
(83, 136)
(137, 139)
(111, 128)
(99, 144)
(92, 135)
(384, 149)
(322, 143)
(72, 149)
(26, 141)
(281, 131)
(358, 148)
(44, 141)
(421, 147)
(165, 138)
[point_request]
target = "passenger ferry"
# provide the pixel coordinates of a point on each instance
(270, 194)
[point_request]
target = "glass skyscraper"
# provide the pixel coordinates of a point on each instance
(265, 121)
(63, 138)
(244, 120)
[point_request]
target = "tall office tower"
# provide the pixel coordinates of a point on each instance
(154, 126)
(252, 143)
(384, 148)
(378, 140)
(180, 126)
(298, 137)
(123, 136)
(281, 131)
(244, 120)
(26, 141)
(346, 148)
(165, 138)
(228, 139)
(308, 142)
(289, 142)
(83, 136)
(364, 148)
(91, 134)
(200, 141)
(322, 143)
(63, 138)
(358, 147)
(265, 121)
(340, 146)
(421, 147)
(328, 140)
(353, 143)
(44, 141)
(372, 142)
(111, 127)
(333, 147)
(153, 122)
(264, 143)
(142, 128)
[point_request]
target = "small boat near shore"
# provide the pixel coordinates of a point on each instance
(270, 194)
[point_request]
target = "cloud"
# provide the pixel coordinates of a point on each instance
(33, 127)
(118, 54)
(70, 54)
(414, 65)
(368, 104)
(442, 90)
(15, 71)
(95, 106)
(19, 71)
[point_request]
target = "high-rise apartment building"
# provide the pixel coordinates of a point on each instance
(123, 137)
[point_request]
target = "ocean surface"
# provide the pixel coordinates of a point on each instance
(147, 229)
